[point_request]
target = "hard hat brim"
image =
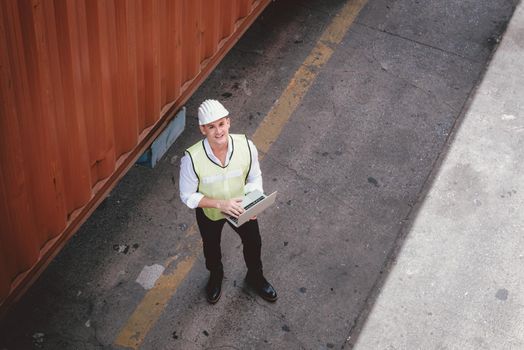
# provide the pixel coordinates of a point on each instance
(215, 117)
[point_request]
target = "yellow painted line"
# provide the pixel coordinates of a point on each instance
(152, 306)
(271, 127)
(335, 32)
(154, 302)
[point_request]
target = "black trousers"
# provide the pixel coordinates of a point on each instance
(211, 232)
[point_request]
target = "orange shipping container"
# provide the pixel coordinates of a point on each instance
(86, 86)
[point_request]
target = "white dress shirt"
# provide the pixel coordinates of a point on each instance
(189, 181)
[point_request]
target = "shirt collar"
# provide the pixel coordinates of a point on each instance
(211, 155)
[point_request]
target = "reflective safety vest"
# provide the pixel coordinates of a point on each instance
(221, 182)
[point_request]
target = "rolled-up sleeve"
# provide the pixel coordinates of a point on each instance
(254, 178)
(188, 183)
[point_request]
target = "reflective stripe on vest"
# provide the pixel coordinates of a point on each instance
(221, 182)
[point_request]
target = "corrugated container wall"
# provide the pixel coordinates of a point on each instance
(86, 85)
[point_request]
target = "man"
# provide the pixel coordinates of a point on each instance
(215, 173)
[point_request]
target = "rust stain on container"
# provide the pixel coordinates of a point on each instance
(85, 87)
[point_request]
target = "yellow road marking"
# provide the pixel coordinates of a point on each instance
(154, 302)
(152, 305)
(271, 127)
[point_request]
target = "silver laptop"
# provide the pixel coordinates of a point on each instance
(253, 203)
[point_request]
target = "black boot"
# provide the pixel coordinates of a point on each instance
(214, 286)
(262, 287)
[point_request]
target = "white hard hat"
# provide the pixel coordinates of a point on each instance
(211, 110)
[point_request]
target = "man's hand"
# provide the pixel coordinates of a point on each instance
(231, 207)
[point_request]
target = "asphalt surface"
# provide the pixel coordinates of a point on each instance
(352, 165)
(457, 280)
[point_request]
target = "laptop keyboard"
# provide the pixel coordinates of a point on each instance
(254, 202)
(235, 220)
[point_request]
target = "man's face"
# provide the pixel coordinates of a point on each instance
(216, 132)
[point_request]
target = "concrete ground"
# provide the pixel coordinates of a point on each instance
(356, 164)
(457, 281)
